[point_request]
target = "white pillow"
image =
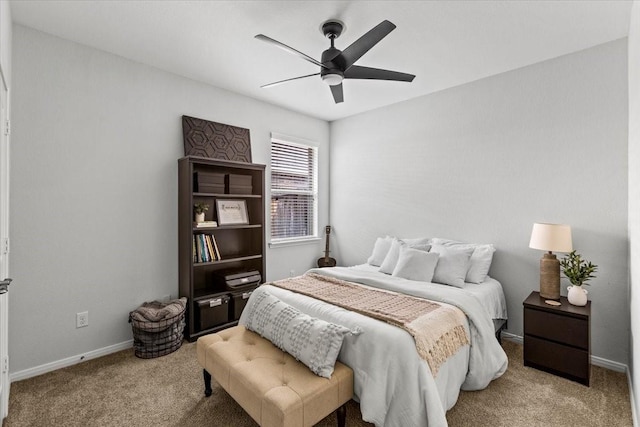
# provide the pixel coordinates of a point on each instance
(312, 341)
(380, 249)
(452, 266)
(419, 246)
(480, 259)
(391, 259)
(418, 241)
(415, 264)
(480, 263)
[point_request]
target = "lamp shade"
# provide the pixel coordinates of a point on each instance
(551, 237)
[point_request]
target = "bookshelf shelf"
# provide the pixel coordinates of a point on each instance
(228, 196)
(227, 260)
(225, 227)
(240, 247)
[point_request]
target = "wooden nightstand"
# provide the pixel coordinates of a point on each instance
(557, 339)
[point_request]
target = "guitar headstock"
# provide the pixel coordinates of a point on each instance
(327, 229)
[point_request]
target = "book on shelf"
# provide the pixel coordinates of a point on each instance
(205, 248)
(215, 245)
(205, 224)
(206, 257)
(196, 241)
(210, 250)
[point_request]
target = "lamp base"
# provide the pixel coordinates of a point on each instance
(550, 277)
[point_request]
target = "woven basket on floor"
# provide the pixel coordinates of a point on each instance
(154, 339)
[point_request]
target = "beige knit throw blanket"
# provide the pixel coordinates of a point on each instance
(438, 329)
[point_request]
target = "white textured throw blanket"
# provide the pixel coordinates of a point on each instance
(437, 328)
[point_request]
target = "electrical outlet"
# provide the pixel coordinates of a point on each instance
(82, 319)
(292, 273)
(166, 298)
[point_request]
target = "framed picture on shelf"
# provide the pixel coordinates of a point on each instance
(232, 212)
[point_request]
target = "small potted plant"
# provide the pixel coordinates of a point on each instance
(200, 209)
(578, 271)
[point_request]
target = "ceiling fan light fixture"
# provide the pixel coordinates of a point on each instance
(332, 79)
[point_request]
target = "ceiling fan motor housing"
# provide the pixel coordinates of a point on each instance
(334, 73)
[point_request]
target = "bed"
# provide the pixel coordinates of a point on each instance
(392, 383)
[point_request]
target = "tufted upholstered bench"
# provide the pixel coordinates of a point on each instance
(270, 385)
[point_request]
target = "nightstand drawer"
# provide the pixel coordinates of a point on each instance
(557, 327)
(557, 358)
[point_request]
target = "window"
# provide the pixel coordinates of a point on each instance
(294, 185)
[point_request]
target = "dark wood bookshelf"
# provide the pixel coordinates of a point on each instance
(241, 247)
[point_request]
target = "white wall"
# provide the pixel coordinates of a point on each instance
(6, 30)
(634, 197)
(96, 139)
(482, 162)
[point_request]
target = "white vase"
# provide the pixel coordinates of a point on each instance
(577, 295)
(200, 217)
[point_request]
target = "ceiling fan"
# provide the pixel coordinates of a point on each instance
(337, 65)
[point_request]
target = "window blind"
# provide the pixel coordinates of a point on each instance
(293, 190)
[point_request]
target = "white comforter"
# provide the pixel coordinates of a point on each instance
(392, 383)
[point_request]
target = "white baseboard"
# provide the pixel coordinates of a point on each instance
(634, 414)
(595, 360)
(73, 360)
(609, 364)
(511, 337)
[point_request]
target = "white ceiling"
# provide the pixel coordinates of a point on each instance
(444, 43)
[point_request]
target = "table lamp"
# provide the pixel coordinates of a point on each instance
(551, 238)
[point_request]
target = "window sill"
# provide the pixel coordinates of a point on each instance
(294, 242)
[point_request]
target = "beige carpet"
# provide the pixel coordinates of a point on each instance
(121, 390)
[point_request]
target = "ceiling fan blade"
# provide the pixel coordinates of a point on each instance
(288, 49)
(336, 91)
(288, 80)
(361, 46)
(357, 72)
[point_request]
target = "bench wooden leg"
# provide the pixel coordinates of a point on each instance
(342, 415)
(207, 383)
